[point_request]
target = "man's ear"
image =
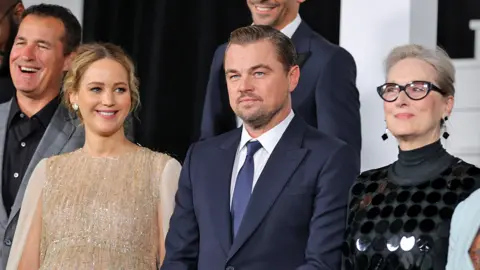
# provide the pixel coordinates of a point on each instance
(293, 77)
(18, 11)
(67, 63)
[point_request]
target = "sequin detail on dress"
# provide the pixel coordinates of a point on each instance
(101, 213)
(404, 227)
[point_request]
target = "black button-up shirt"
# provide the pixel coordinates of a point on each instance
(22, 138)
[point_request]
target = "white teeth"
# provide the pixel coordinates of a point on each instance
(107, 113)
(26, 69)
(264, 8)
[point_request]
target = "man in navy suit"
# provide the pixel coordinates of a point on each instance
(326, 96)
(271, 194)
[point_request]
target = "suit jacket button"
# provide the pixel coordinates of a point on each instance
(7, 242)
(230, 268)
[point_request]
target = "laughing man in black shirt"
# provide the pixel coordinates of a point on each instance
(33, 125)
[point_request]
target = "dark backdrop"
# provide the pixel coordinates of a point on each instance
(172, 43)
(453, 32)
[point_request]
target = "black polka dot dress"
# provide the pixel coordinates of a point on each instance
(396, 224)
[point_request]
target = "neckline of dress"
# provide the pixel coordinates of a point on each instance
(118, 157)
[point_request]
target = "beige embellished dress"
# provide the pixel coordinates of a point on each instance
(100, 213)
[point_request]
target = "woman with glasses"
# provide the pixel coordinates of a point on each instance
(399, 215)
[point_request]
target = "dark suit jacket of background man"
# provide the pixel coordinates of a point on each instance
(296, 214)
(326, 96)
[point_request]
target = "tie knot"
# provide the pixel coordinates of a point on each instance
(253, 147)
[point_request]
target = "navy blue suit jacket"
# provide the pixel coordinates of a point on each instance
(326, 96)
(296, 215)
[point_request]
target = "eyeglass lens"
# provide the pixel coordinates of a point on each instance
(415, 90)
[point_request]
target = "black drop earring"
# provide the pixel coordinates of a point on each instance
(445, 133)
(385, 134)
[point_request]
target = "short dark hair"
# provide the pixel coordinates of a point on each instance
(286, 51)
(73, 29)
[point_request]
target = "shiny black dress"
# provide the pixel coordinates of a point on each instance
(399, 215)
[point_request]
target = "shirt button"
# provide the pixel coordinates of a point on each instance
(15, 175)
(23, 144)
(7, 242)
(22, 115)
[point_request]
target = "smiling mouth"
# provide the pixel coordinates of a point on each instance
(29, 70)
(264, 8)
(107, 113)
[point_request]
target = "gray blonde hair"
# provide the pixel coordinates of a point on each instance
(437, 58)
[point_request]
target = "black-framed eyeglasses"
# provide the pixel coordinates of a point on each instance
(415, 90)
(10, 9)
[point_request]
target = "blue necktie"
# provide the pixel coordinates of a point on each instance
(243, 186)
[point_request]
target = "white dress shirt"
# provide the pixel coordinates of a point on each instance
(288, 30)
(268, 140)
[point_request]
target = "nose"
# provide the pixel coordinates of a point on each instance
(28, 52)
(108, 99)
(402, 99)
(245, 84)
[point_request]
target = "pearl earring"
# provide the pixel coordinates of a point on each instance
(75, 106)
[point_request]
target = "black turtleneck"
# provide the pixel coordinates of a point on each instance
(399, 215)
(416, 166)
(419, 165)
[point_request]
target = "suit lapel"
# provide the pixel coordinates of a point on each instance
(4, 112)
(302, 58)
(56, 136)
(301, 39)
(282, 163)
(219, 188)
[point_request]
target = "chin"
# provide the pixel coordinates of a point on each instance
(106, 131)
(247, 117)
(404, 135)
(27, 91)
(24, 86)
(264, 21)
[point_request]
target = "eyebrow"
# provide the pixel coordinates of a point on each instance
(103, 84)
(250, 69)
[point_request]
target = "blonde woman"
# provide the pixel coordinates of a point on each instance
(106, 205)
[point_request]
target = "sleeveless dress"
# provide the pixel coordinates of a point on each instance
(106, 213)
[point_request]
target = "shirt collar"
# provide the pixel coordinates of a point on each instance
(270, 138)
(44, 115)
(290, 28)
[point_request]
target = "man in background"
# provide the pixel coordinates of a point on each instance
(326, 96)
(34, 124)
(10, 15)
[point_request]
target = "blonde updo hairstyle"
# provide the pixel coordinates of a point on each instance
(85, 56)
